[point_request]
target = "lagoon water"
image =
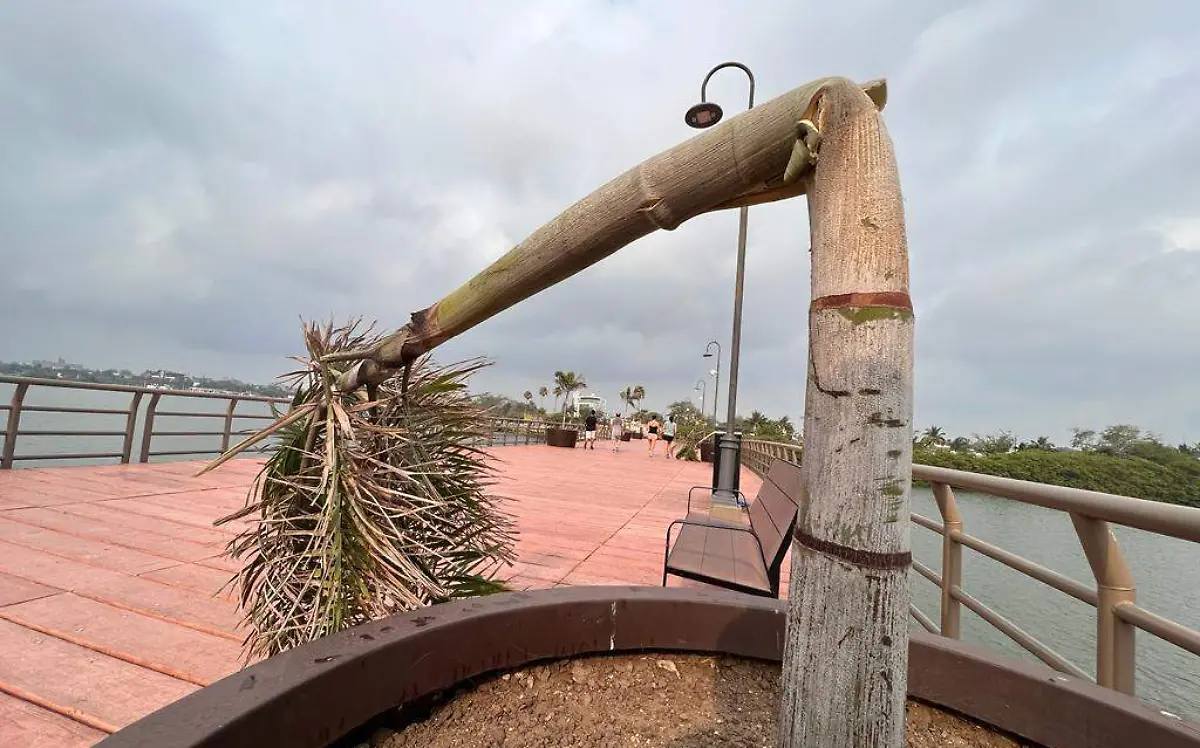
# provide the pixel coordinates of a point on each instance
(1165, 569)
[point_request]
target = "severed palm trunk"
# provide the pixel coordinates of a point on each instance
(846, 652)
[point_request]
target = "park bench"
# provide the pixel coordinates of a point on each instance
(732, 555)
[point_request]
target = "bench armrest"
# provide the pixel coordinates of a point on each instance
(709, 488)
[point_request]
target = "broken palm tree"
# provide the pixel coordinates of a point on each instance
(369, 504)
(825, 138)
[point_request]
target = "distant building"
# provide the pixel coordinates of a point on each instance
(583, 403)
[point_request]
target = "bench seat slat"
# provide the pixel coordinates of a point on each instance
(718, 554)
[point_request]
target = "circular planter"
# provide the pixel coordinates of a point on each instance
(706, 451)
(624, 436)
(560, 437)
(314, 694)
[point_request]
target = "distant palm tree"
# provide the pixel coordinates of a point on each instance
(566, 382)
(785, 425)
(757, 420)
(631, 396)
(542, 392)
(1044, 443)
(528, 397)
(934, 435)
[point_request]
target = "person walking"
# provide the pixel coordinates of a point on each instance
(669, 434)
(616, 428)
(652, 435)
(589, 430)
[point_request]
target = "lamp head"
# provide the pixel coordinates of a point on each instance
(705, 114)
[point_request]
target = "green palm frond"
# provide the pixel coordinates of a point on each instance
(368, 505)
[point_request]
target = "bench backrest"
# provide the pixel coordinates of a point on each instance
(773, 512)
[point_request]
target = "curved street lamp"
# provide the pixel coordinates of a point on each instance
(702, 115)
(716, 373)
(702, 388)
(708, 113)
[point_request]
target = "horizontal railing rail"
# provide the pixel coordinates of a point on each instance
(758, 455)
(139, 433)
(1092, 514)
(143, 436)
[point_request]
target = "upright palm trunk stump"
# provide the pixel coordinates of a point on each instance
(846, 653)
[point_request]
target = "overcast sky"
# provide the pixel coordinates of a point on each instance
(182, 182)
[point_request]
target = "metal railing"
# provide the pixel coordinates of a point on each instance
(138, 421)
(1092, 514)
(510, 431)
(142, 434)
(758, 455)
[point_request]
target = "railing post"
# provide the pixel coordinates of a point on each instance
(951, 560)
(148, 426)
(1116, 656)
(130, 426)
(13, 425)
(227, 433)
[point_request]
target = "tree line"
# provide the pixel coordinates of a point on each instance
(1121, 459)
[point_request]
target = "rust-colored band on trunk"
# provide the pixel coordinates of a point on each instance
(887, 299)
(854, 555)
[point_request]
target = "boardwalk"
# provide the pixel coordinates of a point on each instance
(110, 576)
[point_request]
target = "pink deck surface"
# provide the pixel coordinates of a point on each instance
(110, 577)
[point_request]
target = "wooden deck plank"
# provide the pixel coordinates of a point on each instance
(24, 725)
(136, 545)
(183, 653)
(107, 689)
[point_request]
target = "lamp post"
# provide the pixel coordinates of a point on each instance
(715, 373)
(702, 388)
(702, 115)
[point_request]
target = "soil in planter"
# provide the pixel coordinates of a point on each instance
(678, 701)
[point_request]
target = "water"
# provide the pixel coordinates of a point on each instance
(1164, 568)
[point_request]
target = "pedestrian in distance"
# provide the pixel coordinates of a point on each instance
(589, 430)
(669, 434)
(616, 428)
(652, 429)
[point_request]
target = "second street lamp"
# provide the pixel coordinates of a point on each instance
(702, 115)
(702, 388)
(714, 373)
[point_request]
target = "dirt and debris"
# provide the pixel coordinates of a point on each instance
(674, 701)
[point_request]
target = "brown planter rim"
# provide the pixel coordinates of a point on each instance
(561, 436)
(314, 694)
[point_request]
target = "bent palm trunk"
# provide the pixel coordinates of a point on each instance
(846, 653)
(754, 157)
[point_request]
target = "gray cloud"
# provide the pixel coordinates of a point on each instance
(180, 184)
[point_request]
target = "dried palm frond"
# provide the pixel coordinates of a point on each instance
(368, 505)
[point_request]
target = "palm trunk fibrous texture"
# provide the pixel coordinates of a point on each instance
(846, 651)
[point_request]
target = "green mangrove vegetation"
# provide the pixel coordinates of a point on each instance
(1121, 459)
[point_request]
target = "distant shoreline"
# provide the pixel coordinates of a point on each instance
(156, 379)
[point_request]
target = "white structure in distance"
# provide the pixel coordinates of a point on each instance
(583, 403)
